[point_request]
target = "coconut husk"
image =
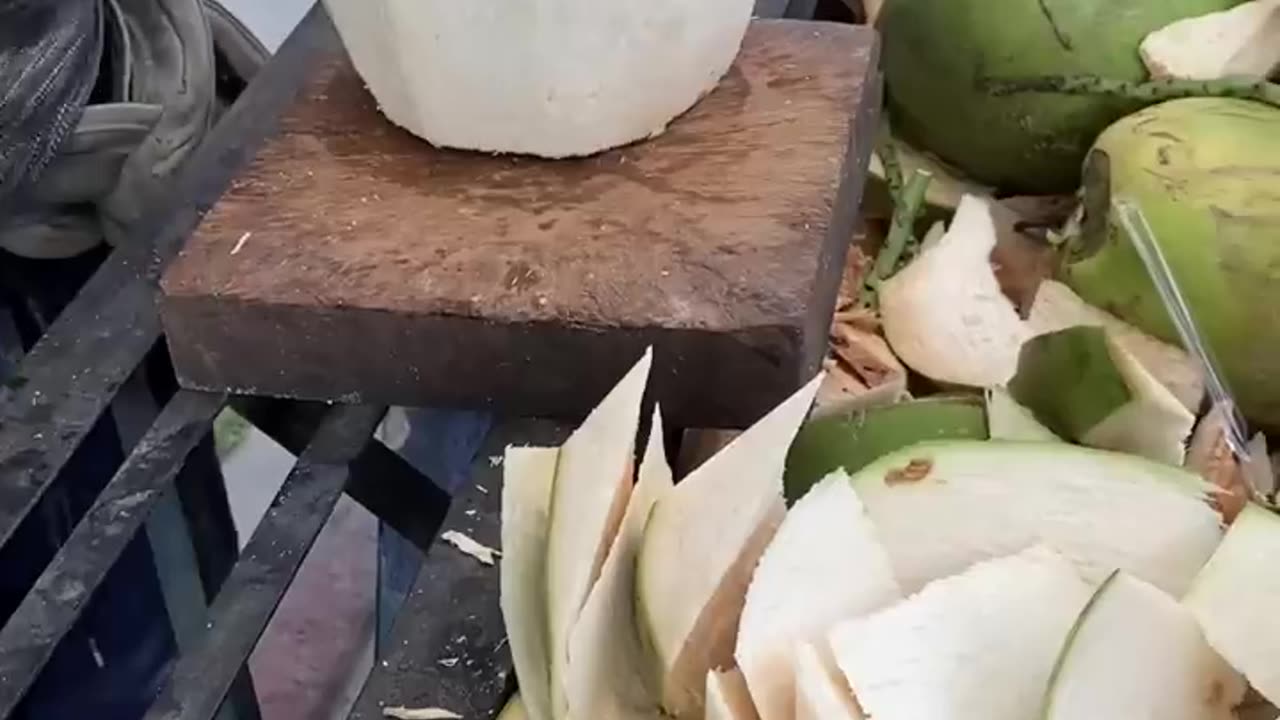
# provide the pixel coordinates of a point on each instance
(1023, 257)
(1209, 454)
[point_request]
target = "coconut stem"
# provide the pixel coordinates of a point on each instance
(901, 231)
(1154, 91)
(888, 155)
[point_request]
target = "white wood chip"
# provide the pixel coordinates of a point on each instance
(404, 713)
(467, 546)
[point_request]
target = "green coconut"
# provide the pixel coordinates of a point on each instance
(937, 53)
(1206, 174)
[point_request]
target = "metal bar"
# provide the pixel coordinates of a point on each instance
(202, 678)
(383, 482)
(448, 646)
(60, 594)
(64, 384)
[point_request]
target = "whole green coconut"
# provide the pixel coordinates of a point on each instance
(1206, 173)
(937, 52)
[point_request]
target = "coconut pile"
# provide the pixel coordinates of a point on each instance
(1008, 494)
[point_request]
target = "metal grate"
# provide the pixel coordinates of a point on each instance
(447, 647)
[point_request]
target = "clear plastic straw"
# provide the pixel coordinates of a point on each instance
(1135, 224)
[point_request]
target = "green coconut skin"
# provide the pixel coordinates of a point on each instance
(853, 442)
(936, 54)
(1206, 173)
(1052, 368)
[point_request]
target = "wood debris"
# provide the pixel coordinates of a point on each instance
(466, 545)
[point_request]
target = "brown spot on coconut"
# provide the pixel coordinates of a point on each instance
(915, 471)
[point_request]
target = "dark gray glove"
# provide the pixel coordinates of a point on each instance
(155, 101)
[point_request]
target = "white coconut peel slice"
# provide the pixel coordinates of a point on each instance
(821, 690)
(1058, 307)
(727, 696)
(1085, 386)
(554, 78)
(824, 565)
(608, 673)
(1244, 40)
(700, 547)
(939, 507)
(594, 477)
(1236, 597)
(945, 315)
(976, 646)
(1135, 652)
(527, 476)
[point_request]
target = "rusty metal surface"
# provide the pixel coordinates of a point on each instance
(352, 261)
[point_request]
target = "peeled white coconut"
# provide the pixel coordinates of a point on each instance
(608, 676)
(727, 697)
(824, 565)
(1236, 597)
(976, 646)
(593, 480)
(821, 690)
(1086, 387)
(700, 547)
(945, 315)
(554, 78)
(527, 476)
(1058, 307)
(1008, 420)
(1135, 652)
(1244, 40)
(939, 507)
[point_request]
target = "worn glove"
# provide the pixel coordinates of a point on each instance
(154, 100)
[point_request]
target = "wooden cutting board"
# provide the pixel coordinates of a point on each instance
(354, 262)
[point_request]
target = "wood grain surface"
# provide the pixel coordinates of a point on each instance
(352, 261)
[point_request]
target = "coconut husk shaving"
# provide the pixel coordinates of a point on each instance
(1209, 454)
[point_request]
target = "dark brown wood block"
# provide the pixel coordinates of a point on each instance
(354, 262)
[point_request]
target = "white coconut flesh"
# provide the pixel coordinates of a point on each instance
(554, 78)
(608, 672)
(1244, 40)
(1087, 387)
(824, 565)
(939, 507)
(945, 314)
(594, 477)
(1236, 597)
(1136, 652)
(700, 547)
(727, 696)
(527, 476)
(1058, 307)
(1008, 420)
(976, 646)
(821, 690)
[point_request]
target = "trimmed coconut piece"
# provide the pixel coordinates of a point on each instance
(727, 696)
(1135, 652)
(1236, 595)
(1085, 386)
(701, 546)
(1058, 307)
(939, 507)
(608, 675)
(554, 78)
(824, 565)
(821, 690)
(527, 477)
(976, 646)
(1007, 420)
(1244, 40)
(593, 481)
(945, 315)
